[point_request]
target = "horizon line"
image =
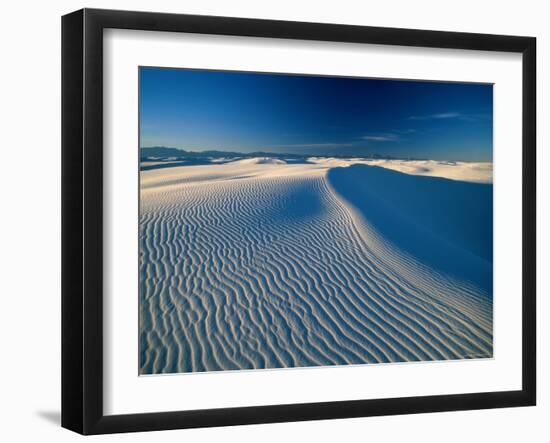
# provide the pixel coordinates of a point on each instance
(370, 155)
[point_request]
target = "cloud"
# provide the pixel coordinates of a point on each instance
(316, 145)
(405, 131)
(381, 137)
(439, 116)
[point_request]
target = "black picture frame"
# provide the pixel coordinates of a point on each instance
(82, 219)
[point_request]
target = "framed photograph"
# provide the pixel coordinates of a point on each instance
(269, 221)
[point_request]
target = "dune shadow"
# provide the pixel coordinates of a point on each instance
(445, 224)
(298, 161)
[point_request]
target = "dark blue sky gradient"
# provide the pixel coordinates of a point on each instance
(244, 112)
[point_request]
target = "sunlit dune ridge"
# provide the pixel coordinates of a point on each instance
(476, 172)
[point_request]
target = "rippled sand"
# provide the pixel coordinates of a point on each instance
(258, 264)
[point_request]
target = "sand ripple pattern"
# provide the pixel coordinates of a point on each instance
(273, 270)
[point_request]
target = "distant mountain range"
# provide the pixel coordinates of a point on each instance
(162, 153)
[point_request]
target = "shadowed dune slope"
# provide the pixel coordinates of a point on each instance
(445, 224)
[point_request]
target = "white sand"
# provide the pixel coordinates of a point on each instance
(475, 172)
(261, 264)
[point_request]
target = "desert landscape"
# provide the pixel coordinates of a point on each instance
(266, 262)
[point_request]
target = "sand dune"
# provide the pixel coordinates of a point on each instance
(260, 161)
(445, 224)
(259, 264)
(475, 172)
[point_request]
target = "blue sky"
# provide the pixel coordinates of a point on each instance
(234, 111)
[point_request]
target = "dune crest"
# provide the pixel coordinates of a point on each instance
(475, 172)
(260, 161)
(254, 264)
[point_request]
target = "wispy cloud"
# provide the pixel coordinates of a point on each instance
(438, 116)
(316, 145)
(381, 137)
